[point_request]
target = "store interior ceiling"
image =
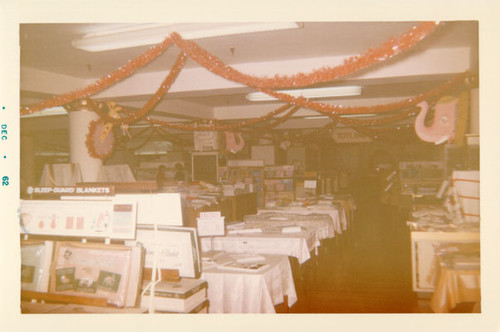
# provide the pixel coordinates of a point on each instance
(50, 65)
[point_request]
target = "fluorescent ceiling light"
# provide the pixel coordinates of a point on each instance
(340, 91)
(47, 112)
(51, 153)
(145, 125)
(358, 115)
(315, 117)
(133, 35)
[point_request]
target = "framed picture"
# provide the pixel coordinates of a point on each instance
(175, 248)
(96, 270)
(36, 258)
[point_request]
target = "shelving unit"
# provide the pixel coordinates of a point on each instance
(303, 188)
(248, 173)
(279, 184)
(421, 177)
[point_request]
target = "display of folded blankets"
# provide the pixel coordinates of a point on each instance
(292, 229)
(245, 231)
(248, 258)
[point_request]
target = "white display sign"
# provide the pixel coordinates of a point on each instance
(82, 218)
(210, 226)
(349, 135)
(310, 184)
(174, 248)
(158, 208)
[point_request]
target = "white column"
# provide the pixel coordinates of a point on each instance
(79, 118)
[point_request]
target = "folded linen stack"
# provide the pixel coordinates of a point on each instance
(245, 231)
(292, 229)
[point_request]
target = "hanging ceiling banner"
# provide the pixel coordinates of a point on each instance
(349, 135)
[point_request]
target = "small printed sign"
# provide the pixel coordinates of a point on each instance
(349, 135)
(78, 190)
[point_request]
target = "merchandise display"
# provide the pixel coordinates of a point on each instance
(350, 185)
(93, 270)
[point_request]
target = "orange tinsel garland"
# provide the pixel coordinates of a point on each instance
(104, 82)
(385, 51)
(164, 87)
(217, 126)
(339, 109)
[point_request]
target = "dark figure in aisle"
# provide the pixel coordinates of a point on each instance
(161, 177)
(179, 172)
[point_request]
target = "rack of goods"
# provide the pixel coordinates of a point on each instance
(244, 176)
(279, 188)
(421, 177)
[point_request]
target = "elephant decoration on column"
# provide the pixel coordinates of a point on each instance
(442, 128)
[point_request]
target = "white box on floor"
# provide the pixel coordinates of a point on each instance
(183, 296)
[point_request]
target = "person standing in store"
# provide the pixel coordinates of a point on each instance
(179, 172)
(161, 177)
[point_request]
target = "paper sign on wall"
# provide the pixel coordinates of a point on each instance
(310, 184)
(349, 135)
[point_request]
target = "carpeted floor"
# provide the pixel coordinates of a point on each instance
(366, 270)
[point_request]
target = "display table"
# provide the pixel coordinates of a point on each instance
(455, 286)
(347, 204)
(459, 276)
(270, 241)
(323, 224)
(341, 212)
(251, 292)
(233, 208)
(338, 214)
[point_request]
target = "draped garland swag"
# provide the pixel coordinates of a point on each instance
(387, 50)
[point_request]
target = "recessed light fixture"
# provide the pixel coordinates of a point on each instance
(120, 36)
(338, 91)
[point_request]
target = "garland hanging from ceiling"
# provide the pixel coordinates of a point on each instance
(385, 51)
(403, 106)
(389, 49)
(104, 82)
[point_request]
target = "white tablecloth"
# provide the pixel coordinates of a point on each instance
(322, 224)
(250, 292)
(338, 219)
(271, 241)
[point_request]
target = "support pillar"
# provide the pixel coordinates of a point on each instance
(80, 116)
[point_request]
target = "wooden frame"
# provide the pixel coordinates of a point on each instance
(92, 270)
(36, 259)
(176, 248)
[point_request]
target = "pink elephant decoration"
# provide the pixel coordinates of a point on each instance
(443, 127)
(234, 143)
